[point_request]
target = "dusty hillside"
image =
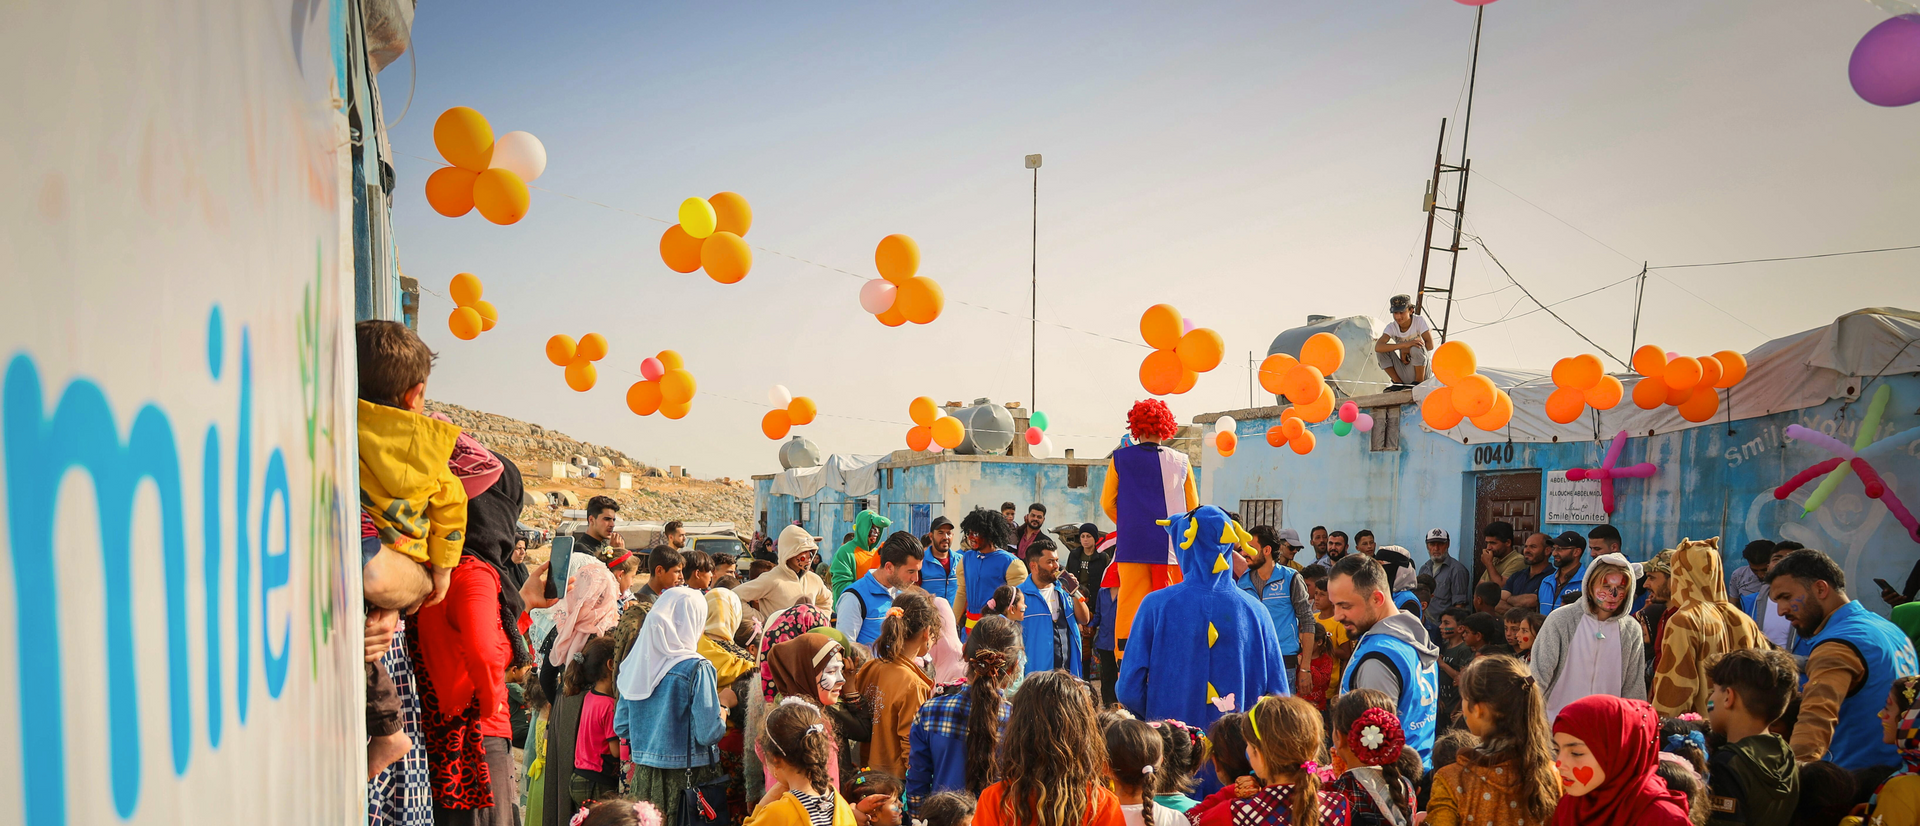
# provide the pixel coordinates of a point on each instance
(653, 496)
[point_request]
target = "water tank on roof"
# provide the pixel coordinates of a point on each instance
(798, 452)
(989, 428)
(1358, 375)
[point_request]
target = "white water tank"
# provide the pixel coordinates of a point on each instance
(1358, 375)
(989, 428)
(798, 452)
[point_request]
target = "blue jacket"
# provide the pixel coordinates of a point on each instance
(1277, 597)
(1039, 628)
(984, 574)
(656, 729)
(1888, 653)
(875, 599)
(1407, 601)
(1553, 593)
(1203, 638)
(937, 746)
(1106, 606)
(938, 579)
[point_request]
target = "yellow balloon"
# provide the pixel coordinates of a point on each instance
(465, 323)
(464, 289)
(697, 217)
(676, 387)
(488, 315)
(464, 139)
(581, 375)
(948, 432)
(923, 411)
(671, 360)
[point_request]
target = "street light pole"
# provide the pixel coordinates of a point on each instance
(1033, 306)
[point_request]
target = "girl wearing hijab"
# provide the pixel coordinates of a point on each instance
(781, 626)
(813, 668)
(1897, 800)
(587, 611)
(733, 668)
(1608, 751)
(949, 659)
(669, 713)
(1593, 645)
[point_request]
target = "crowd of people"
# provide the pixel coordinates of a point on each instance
(1181, 669)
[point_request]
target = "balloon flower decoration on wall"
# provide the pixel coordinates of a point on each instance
(1351, 419)
(1181, 351)
(1464, 393)
(1609, 470)
(487, 174)
(789, 411)
(578, 357)
(471, 316)
(665, 386)
(899, 295)
(1848, 458)
(711, 235)
(932, 426)
(1885, 66)
(1303, 381)
(1690, 384)
(1581, 382)
(1038, 445)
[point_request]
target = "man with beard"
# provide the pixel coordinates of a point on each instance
(1853, 656)
(1394, 655)
(1497, 558)
(984, 565)
(1318, 539)
(1336, 548)
(1036, 521)
(938, 570)
(1522, 589)
(1562, 585)
(1283, 592)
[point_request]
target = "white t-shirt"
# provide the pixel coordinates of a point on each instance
(1162, 816)
(1052, 596)
(1418, 322)
(1776, 627)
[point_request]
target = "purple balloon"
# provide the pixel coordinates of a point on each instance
(1885, 67)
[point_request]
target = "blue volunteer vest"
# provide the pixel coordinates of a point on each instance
(938, 579)
(1406, 601)
(874, 602)
(1419, 688)
(984, 573)
(1040, 633)
(1888, 654)
(1277, 597)
(1553, 593)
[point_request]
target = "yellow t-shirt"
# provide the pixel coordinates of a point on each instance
(1338, 633)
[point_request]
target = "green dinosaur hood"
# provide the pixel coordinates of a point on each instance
(869, 530)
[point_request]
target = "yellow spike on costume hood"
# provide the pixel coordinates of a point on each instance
(1213, 635)
(1220, 563)
(1193, 533)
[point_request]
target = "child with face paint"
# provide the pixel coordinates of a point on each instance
(1607, 754)
(1593, 646)
(811, 667)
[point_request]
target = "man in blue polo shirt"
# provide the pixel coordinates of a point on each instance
(938, 572)
(1283, 592)
(1522, 589)
(1562, 586)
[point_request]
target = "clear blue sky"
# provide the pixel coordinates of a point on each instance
(1249, 163)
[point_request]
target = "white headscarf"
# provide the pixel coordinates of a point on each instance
(670, 637)
(591, 608)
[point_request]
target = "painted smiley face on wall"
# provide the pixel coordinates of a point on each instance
(1611, 590)
(1579, 771)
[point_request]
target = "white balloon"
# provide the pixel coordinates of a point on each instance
(1225, 424)
(779, 396)
(1043, 450)
(520, 153)
(876, 296)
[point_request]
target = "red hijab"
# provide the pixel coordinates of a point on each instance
(1623, 736)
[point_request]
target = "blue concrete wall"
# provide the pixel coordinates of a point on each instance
(1714, 480)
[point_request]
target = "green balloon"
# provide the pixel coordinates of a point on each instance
(1341, 428)
(1038, 420)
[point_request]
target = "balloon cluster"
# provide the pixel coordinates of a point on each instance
(1691, 385)
(489, 174)
(471, 316)
(711, 234)
(1181, 351)
(1464, 394)
(932, 426)
(898, 295)
(1304, 382)
(1038, 444)
(789, 411)
(1581, 382)
(578, 358)
(1226, 436)
(1351, 419)
(665, 386)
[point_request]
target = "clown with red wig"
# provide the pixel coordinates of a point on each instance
(1146, 483)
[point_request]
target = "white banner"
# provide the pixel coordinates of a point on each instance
(1573, 503)
(181, 636)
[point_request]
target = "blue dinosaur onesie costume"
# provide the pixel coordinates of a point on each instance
(1202, 640)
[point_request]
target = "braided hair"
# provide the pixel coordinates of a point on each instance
(993, 653)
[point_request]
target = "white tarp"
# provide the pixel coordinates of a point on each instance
(181, 641)
(1792, 373)
(852, 475)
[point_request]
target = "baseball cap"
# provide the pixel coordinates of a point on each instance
(938, 523)
(1399, 303)
(1439, 535)
(1570, 539)
(1291, 537)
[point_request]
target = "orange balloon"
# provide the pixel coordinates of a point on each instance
(1291, 412)
(560, 350)
(1188, 379)
(581, 375)
(592, 347)
(643, 398)
(1201, 349)
(920, 299)
(1323, 351)
(1454, 361)
(450, 191)
(1565, 404)
(1733, 368)
(802, 410)
(464, 138)
(1498, 417)
(678, 250)
(464, 289)
(1701, 406)
(671, 360)
(1226, 443)
(1578, 372)
(948, 432)
(731, 213)
(1321, 408)
(464, 323)
(488, 315)
(1292, 427)
(1304, 444)
(1683, 373)
(923, 411)
(1710, 371)
(1677, 396)
(1438, 410)
(726, 257)
(501, 196)
(1276, 435)
(776, 423)
(1160, 327)
(1649, 393)
(1605, 394)
(1474, 395)
(1650, 361)
(919, 437)
(897, 258)
(675, 411)
(1273, 372)
(1160, 372)
(1303, 384)
(892, 317)
(677, 387)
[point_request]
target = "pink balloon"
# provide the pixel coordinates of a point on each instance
(651, 369)
(1034, 435)
(877, 296)
(1349, 411)
(1186, 325)
(1363, 422)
